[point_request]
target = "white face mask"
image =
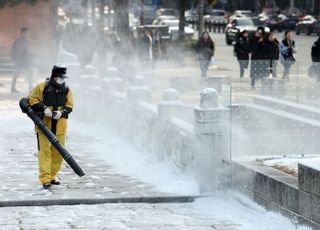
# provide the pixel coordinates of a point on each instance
(60, 80)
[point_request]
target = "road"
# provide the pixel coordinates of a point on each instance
(225, 59)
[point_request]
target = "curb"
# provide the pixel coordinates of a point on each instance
(151, 200)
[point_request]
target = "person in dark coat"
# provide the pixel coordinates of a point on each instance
(258, 68)
(315, 56)
(242, 51)
(287, 51)
(205, 48)
(21, 58)
(272, 53)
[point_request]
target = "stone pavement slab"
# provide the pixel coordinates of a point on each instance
(111, 216)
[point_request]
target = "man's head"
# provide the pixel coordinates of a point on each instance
(59, 73)
(24, 31)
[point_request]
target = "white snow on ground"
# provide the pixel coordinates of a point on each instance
(291, 162)
(125, 159)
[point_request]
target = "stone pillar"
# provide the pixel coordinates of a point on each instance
(72, 62)
(138, 91)
(170, 105)
(212, 146)
(90, 93)
(112, 81)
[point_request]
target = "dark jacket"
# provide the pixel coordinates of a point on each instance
(20, 53)
(315, 51)
(257, 49)
(205, 49)
(272, 51)
(242, 48)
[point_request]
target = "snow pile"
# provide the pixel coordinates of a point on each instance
(289, 164)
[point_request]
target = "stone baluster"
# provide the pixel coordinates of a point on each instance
(212, 141)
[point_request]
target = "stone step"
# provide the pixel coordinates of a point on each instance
(290, 107)
(289, 116)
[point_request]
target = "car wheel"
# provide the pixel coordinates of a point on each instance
(297, 32)
(309, 32)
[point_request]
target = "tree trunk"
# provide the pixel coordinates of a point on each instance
(201, 13)
(102, 4)
(182, 9)
(121, 12)
(142, 12)
(93, 13)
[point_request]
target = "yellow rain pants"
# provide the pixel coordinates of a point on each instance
(49, 159)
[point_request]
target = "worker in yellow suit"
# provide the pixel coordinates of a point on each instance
(52, 101)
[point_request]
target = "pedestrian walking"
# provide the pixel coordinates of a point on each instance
(258, 67)
(315, 56)
(52, 100)
(205, 49)
(242, 51)
(21, 57)
(287, 50)
(272, 53)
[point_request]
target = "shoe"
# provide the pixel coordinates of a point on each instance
(46, 185)
(54, 182)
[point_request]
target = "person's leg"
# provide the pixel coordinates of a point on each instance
(286, 71)
(206, 66)
(202, 68)
(44, 158)
(57, 159)
(274, 68)
(30, 78)
(241, 65)
(318, 71)
(14, 81)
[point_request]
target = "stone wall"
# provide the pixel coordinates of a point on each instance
(40, 22)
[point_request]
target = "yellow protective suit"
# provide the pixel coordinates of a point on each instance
(49, 159)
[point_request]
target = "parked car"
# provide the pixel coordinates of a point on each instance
(215, 16)
(158, 20)
(174, 28)
(191, 16)
(238, 25)
(288, 22)
(305, 25)
(241, 14)
(272, 21)
(164, 30)
(316, 27)
(166, 11)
